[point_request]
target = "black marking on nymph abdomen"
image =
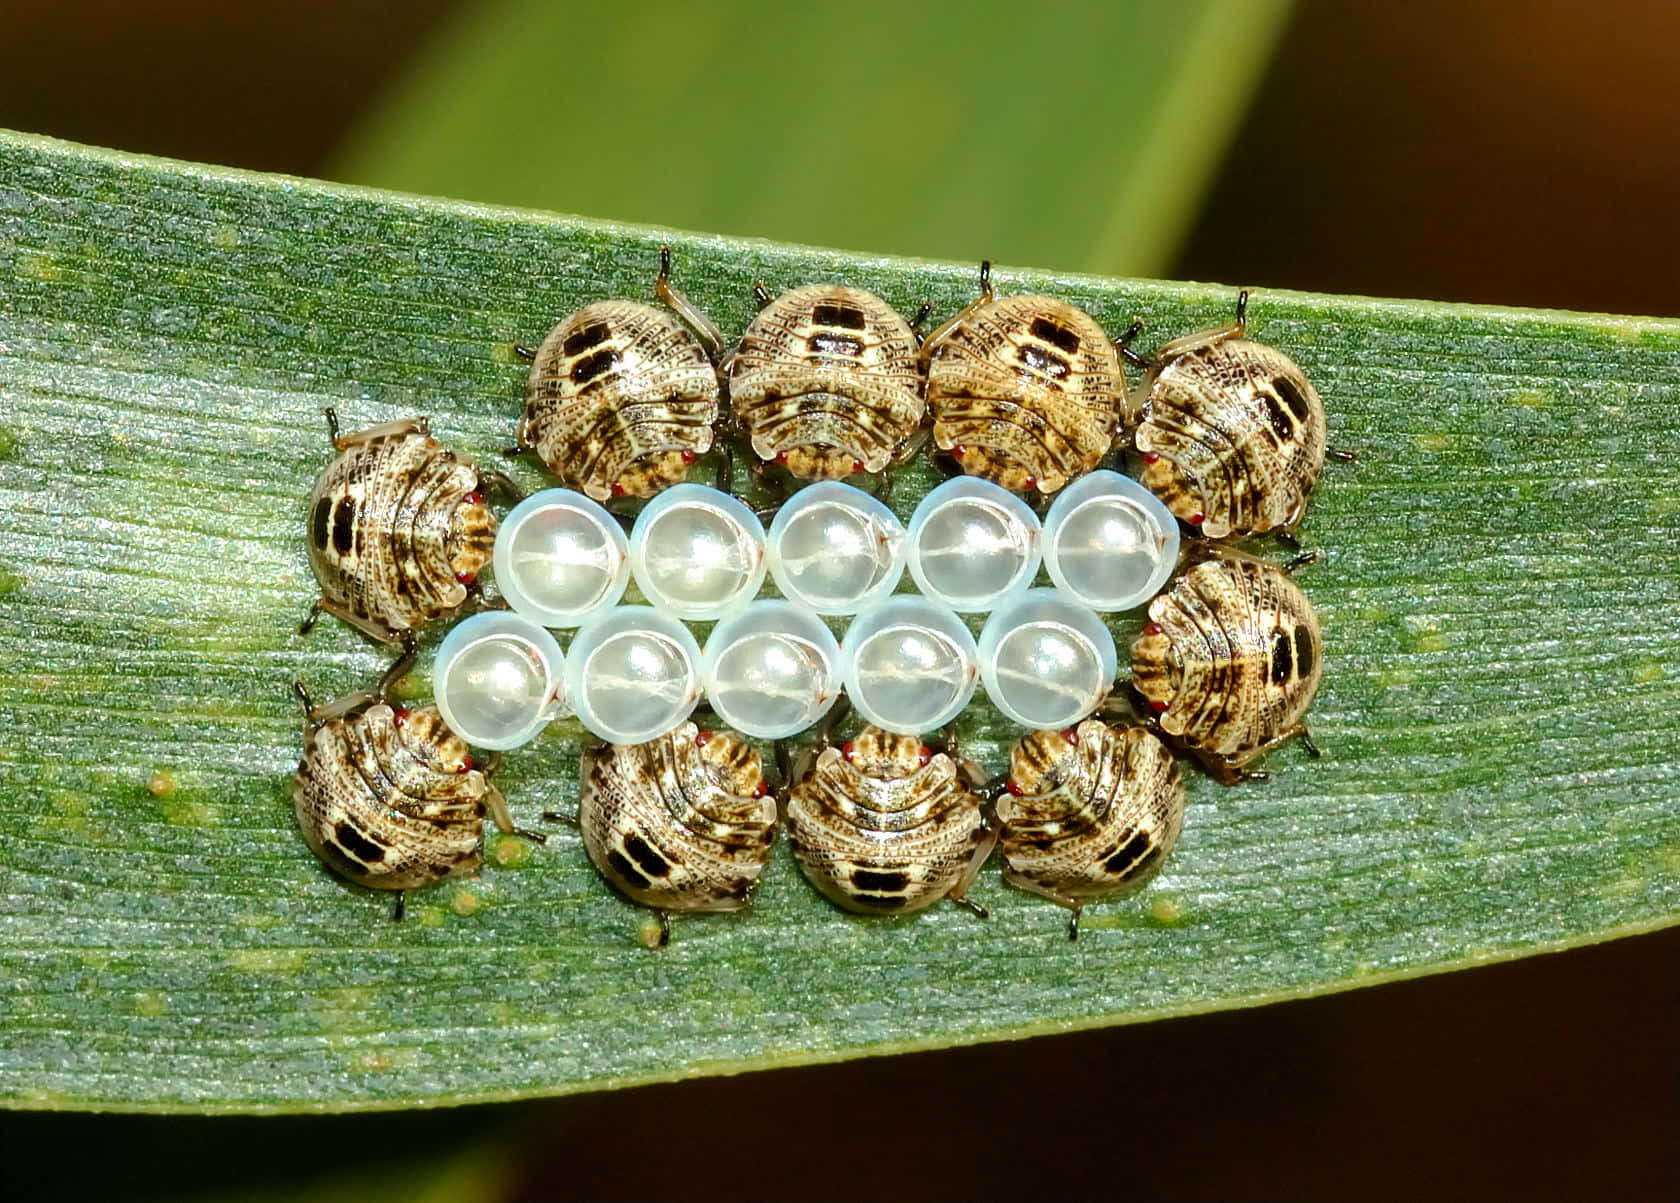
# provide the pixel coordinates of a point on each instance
(837, 313)
(1303, 652)
(1280, 422)
(1055, 334)
(834, 344)
(344, 525)
(592, 335)
(356, 844)
(1145, 862)
(319, 528)
(598, 364)
(880, 902)
(1124, 858)
(647, 856)
(1294, 398)
(1043, 362)
(626, 872)
(1282, 659)
(875, 881)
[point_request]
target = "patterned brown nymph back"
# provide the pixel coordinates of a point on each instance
(828, 382)
(680, 823)
(884, 826)
(1230, 660)
(621, 400)
(1025, 391)
(1090, 813)
(1233, 435)
(398, 530)
(390, 799)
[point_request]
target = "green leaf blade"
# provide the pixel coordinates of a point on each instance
(1498, 591)
(1078, 136)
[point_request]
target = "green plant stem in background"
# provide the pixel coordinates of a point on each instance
(1500, 595)
(1079, 136)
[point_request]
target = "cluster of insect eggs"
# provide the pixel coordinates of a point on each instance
(828, 381)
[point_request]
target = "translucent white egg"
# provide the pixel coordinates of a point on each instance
(834, 548)
(697, 552)
(771, 670)
(633, 674)
(560, 558)
(973, 543)
(1109, 542)
(1046, 660)
(909, 665)
(497, 679)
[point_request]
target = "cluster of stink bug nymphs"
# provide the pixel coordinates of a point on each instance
(625, 400)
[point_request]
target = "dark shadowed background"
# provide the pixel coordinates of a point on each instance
(1481, 151)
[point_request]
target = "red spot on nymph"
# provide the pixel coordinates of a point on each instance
(1149, 457)
(1158, 707)
(399, 718)
(761, 790)
(857, 465)
(958, 452)
(1032, 482)
(703, 738)
(1071, 736)
(617, 489)
(1153, 628)
(925, 754)
(466, 578)
(688, 457)
(781, 457)
(846, 749)
(465, 766)
(473, 498)
(1197, 518)
(1013, 788)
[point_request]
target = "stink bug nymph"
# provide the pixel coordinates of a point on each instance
(1089, 813)
(390, 798)
(398, 530)
(622, 396)
(680, 823)
(883, 825)
(1233, 435)
(1025, 391)
(827, 382)
(1229, 662)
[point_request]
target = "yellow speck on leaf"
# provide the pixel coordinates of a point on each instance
(38, 267)
(377, 1059)
(509, 851)
(1165, 910)
(267, 960)
(1644, 672)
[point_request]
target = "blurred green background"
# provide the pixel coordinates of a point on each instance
(1499, 152)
